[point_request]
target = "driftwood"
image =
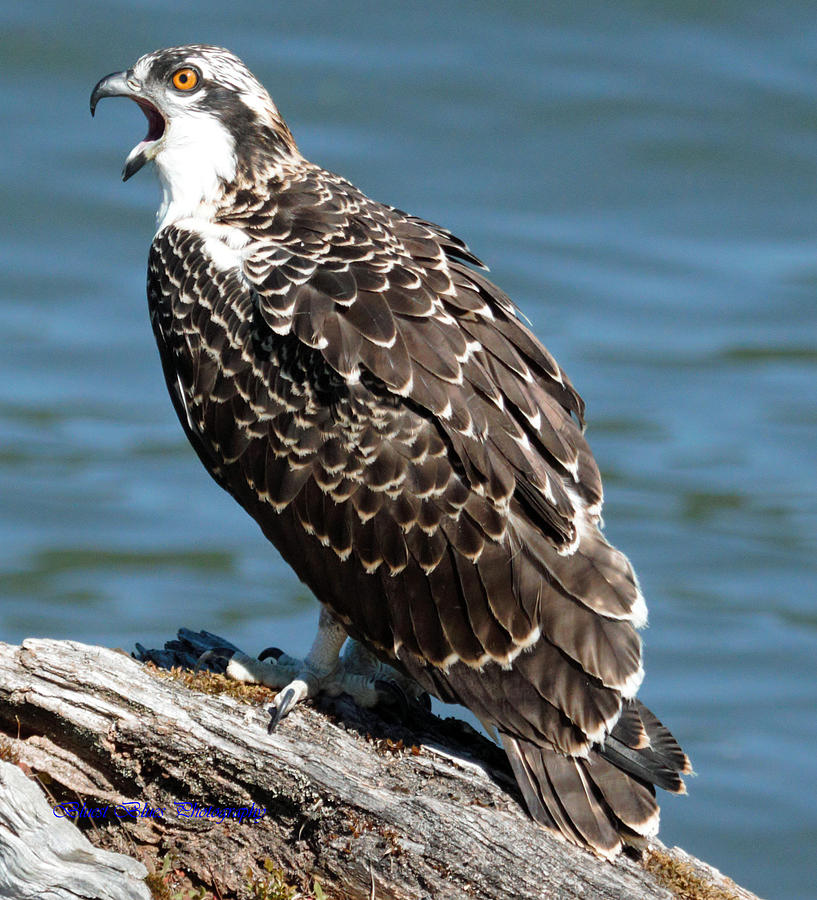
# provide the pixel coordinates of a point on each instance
(40, 855)
(404, 806)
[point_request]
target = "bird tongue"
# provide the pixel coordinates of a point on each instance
(156, 123)
(141, 152)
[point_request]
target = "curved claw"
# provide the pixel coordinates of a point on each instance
(224, 654)
(282, 705)
(268, 652)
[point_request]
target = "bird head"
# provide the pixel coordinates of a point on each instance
(209, 119)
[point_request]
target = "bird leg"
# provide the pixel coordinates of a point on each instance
(358, 673)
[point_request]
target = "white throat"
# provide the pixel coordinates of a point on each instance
(196, 153)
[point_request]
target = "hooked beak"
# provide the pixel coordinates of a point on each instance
(120, 84)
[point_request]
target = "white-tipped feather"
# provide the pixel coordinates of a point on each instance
(631, 685)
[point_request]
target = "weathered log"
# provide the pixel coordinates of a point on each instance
(417, 808)
(41, 855)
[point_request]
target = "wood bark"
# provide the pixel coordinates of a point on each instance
(394, 805)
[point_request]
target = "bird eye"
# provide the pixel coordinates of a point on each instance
(185, 79)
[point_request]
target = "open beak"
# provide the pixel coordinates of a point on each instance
(120, 84)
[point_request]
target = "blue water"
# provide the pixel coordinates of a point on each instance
(642, 179)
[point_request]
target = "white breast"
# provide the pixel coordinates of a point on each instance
(197, 154)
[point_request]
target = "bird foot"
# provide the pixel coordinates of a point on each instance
(357, 673)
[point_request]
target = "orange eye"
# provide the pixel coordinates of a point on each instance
(185, 79)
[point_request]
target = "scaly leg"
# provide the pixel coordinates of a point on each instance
(358, 673)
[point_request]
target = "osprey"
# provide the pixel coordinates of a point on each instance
(345, 371)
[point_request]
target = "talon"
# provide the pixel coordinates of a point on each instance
(358, 673)
(281, 705)
(224, 654)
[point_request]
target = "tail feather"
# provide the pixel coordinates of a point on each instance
(629, 729)
(632, 800)
(542, 803)
(662, 743)
(588, 812)
(641, 764)
(661, 762)
(607, 798)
